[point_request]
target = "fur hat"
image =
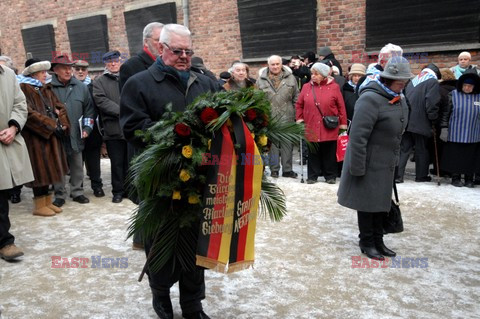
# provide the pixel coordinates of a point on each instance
(321, 68)
(34, 66)
(469, 76)
(465, 54)
(357, 68)
(397, 68)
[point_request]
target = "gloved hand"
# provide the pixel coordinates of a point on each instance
(444, 134)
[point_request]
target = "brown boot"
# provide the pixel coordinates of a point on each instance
(40, 207)
(48, 202)
(10, 252)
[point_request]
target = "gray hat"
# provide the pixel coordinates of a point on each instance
(397, 68)
(324, 51)
(321, 68)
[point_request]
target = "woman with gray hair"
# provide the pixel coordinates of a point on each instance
(239, 78)
(319, 99)
(380, 118)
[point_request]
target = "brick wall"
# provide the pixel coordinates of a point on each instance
(215, 28)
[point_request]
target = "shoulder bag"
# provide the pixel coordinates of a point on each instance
(329, 121)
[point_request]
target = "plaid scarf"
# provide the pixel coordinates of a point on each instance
(28, 80)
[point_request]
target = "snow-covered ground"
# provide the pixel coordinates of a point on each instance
(304, 265)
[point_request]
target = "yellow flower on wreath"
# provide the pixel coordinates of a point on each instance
(184, 175)
(187, 151)
(193, 199)
(262, 140)
(176, 195)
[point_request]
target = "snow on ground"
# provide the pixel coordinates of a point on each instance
(303, 266)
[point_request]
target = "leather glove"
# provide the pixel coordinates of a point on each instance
(444, 134)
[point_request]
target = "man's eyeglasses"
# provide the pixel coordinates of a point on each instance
(79, 68)
(179, 52)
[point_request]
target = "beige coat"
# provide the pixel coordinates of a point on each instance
(15, 168)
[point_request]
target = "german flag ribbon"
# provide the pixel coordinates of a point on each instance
(227, 230)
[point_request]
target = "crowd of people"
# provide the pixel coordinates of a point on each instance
(54, 120)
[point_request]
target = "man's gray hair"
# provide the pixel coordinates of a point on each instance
(148, 30)
(178, 29)
(273, 57)
(388, 51)
(8, 61)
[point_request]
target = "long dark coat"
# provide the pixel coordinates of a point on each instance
(373, 150)
(47, 155)
(134, 65)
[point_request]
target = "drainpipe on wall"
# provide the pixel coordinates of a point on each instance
(185, 13)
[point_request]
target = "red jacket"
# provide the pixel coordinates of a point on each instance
(330, 101)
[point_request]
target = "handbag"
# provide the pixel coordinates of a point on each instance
(59, 132)
(392, 221)
(329, 121)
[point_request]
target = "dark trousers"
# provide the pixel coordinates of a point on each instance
(370, 226)
(117, 152)
(5, 237)
(422, 158)
(40, 191)
(91, 156)
(191, 284)
(322, 160)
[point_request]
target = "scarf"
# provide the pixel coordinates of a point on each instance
(426, 74)
(28, 80)
(385, 88)
(182, 76)
(458, 71)
(352, 85)
(106, 71)
(87, 80)
(276, 79)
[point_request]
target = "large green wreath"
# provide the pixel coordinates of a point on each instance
(169, 176)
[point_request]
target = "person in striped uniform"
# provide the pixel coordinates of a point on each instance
(460, 124)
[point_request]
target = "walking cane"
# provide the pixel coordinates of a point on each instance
(301, 158)
(436, 153)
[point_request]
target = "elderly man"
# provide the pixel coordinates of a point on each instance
(463, 65)
(81, 113)
(15, 167)
(142, 103)
(281, 88)
(373, 72)
(93, 144)
(151, 50)
(106, 94)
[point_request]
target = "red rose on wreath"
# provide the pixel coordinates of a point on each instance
(208, 114)
(182, 129)
(251, 115)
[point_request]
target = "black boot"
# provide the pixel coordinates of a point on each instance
(456, 181)
(366, 243)
(469, 181)
(378, 236)
(162, 306)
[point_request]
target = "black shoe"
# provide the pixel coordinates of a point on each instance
(59, 202)
(117, 198)
(98, 192)
(457, 182)
(291, 174)
(311, 181)
(196, 315)
(469, 184)
(15, 198)
(274, 174)
(162, 307)
(423, 179)
(81, 199)
(330, 181)
(398, 180)
(384, 250)
(371, 252)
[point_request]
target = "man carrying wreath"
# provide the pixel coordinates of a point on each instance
(144, 99)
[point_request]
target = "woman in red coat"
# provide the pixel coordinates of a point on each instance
(321, 96)
(47, 118)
